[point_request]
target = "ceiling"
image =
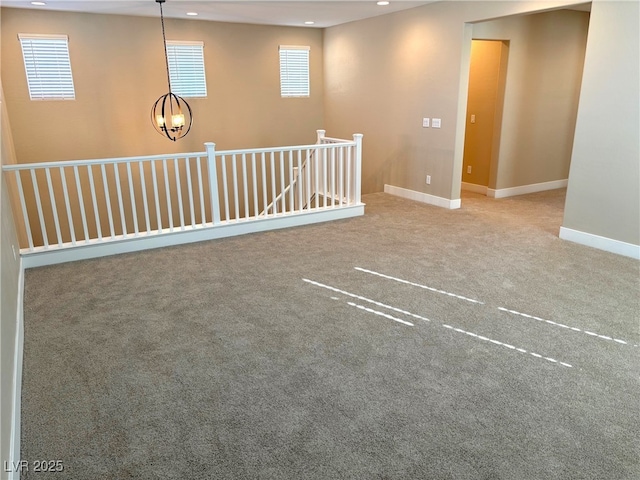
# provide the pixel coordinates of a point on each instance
(291, 13)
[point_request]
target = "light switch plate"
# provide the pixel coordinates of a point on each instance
(435, 122)
(425, 123)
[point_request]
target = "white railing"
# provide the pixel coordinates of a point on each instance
(79, 203)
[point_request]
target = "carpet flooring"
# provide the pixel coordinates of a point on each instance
(414, 342)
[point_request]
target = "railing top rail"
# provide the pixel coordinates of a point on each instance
(98, 161)
(145, 158)
(335, 140)
(312, 146)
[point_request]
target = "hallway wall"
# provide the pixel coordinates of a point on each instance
(603, 197)
(544, 73)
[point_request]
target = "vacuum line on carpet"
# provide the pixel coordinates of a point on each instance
(364, 299)
(413, 284)
(575, 329)
(511, 347)
(471, 334)
(382, 314)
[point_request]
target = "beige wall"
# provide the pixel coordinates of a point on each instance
(603, 195)
(544, 73)
(382, 75)
(119, 72)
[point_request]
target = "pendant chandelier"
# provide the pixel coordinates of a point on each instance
(171, 114)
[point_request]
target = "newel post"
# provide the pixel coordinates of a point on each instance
(320, 134)
(213, 181)
(357, 137)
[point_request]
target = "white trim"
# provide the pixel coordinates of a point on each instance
(223, 230)
(40, 36)
(422, 197)
(294, 47)
(601, 243)
(472, 187)
(524, 189)
(14, 446)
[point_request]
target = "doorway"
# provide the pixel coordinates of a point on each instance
(485, 100)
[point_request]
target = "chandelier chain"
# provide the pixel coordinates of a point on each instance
(164, 42)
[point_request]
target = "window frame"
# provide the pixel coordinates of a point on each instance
(47, 66)
(191, 65)
(295, 78)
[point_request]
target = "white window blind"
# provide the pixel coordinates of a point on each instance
(294, 71)
(48, 67)
(186, 68)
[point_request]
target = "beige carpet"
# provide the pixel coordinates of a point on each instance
(412, 342)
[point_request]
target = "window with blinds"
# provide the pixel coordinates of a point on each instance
(47, 66)
(294, 71)
(186, 68)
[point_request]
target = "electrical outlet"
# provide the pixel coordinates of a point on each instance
(428, 179)
(469, 169)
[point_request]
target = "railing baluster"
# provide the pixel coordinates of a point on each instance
(107, 197)
(273, 183)
(256, 212)
(333, 177)
(145, 203)
(192, 213)
(54, 208)
(245, 188)
(299, 180)
(283, 197)
(67, 205)
(349, 176)
(179, 191)
(341, 176)
(264, 184)
(236, 202)
(307, 178)
(225, 187)
(25, 214)
(83, 215)
(201, 193)
(324, 177)
(167, 193)
(96, 211)
(116, 172)
(156, 197)
(291, 181)
(132, 201)
(317, 178)
(36, 191)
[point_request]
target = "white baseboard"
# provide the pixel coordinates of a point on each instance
(472, 187)
(524, 189)
(422, 197)
(70, 253)
(14, 446)
(601, 243)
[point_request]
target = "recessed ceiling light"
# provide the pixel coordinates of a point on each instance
(192, 14)
(38, 3)
(382, 3)
(309, 23)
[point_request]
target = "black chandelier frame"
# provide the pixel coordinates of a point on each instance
(171, 115)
